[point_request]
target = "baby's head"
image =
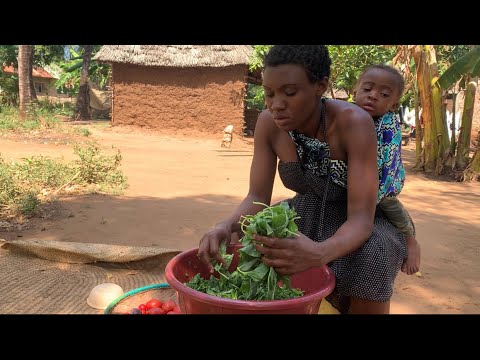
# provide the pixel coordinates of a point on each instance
(379, 89)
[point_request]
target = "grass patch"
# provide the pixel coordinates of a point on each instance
(27, 183)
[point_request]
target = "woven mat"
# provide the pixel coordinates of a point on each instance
(53, 277)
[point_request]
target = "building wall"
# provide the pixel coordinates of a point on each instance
(45, 85)
(203, 99)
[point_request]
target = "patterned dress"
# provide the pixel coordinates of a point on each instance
(321, 202)
(391, 172)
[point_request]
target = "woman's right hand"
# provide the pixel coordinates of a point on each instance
(210, 244)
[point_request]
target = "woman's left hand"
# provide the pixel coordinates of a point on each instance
(289, 255)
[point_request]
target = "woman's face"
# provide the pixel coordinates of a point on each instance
(290, 96)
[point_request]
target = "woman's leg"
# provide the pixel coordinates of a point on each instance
(361, 306)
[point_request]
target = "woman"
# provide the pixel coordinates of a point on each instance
(315, 139)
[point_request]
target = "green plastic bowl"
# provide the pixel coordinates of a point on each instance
(133, 298)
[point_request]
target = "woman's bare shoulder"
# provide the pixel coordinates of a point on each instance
(265, 116)
(347, 114)
(265, 123)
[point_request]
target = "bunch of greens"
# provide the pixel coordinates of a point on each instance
(253, 280)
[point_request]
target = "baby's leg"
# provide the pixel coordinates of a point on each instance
(398, 216)
(411, 265)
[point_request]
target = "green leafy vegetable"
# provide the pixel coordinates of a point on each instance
(253, 280)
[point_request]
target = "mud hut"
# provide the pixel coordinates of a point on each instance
(198, 87)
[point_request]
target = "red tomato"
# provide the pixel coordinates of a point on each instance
(154, 303)
(169, 305)
(142, 307)
(155, 311)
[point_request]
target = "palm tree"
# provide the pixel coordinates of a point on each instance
(24, 78)
(82, 108)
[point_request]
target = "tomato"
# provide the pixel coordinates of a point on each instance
(154, 303)
(142, 307)
(169, 305)
(156, 311)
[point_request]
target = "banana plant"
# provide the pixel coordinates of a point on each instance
(466, 68)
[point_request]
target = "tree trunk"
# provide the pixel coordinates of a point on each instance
(33, 93)
(424, 80)
(436, 141)
(473, 169)
(418, 132)
(331, 90)
(438, 111)
(24, 79)
(463, 147)
(82, 108)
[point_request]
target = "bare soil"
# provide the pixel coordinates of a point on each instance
(182, 183)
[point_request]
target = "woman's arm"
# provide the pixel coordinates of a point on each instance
(359, 141)
(358, 136)
(262, 175)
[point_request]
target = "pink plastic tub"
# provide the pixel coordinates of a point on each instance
(317, 283)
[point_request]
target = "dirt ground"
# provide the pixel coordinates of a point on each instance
(182, 184)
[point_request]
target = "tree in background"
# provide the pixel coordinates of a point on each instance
(466, 69)
(39, 55)
(24, 78)
(78, 71)
(82, 110)
(8, 84)
(348, 61)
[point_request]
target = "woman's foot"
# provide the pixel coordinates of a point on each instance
(411, 265)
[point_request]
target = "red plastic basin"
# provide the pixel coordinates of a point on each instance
(317, 283)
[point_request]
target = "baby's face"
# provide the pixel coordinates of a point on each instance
(377, 92)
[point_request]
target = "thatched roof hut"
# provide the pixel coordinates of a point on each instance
(178, 86)
(176, 55)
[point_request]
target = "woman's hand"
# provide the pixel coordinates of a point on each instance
(210, 243)
(289, 255)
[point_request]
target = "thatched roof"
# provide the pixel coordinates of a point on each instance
(176, 55)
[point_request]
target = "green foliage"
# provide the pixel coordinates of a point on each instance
(8, 188)
(46, 54)
(348, 61)
(8, 90)
(69, 80)
(94, 167)
(22, 182)
(8, 55)
(8, 83)
(255, 98)
(28, 203)
(448, 54)
(253, 280)
(41, 115)
(13, 196)
(41, 172)
(466, 65)
(259, 52)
